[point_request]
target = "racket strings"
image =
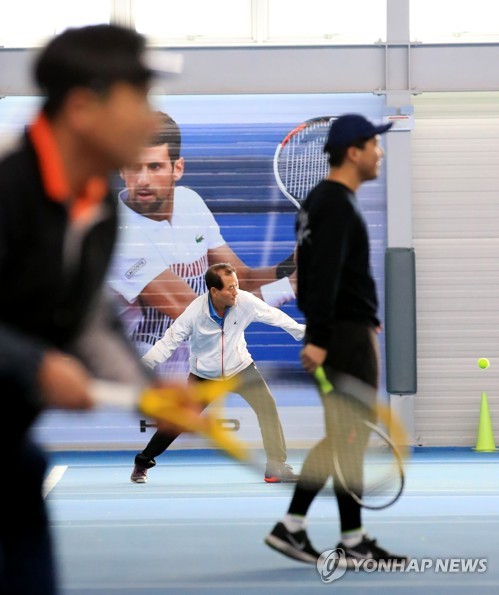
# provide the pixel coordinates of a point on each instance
(302, 162)
(366, 462)
(350, 437)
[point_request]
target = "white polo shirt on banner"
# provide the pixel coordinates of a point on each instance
(145, 248)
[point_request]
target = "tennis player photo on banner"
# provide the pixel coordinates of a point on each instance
(206, 192)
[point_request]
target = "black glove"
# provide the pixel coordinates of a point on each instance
(286, 267)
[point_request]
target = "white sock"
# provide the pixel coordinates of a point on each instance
(294, 522)
(352, 538)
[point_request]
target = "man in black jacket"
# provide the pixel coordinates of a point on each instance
(337, 294)
(57, 231)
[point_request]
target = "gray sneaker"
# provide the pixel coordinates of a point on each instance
(139, 474)
(280, 473)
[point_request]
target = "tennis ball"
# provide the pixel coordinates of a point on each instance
(483, 363)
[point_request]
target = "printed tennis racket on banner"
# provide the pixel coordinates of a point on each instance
(299, 161)
(369, 443)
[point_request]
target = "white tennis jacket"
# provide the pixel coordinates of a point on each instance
(217, 352)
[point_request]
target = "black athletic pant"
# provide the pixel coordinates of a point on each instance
(256, 393)
(353, 351)
(27, 564)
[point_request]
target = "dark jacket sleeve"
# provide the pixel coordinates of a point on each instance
(330, 224)
(20, 357)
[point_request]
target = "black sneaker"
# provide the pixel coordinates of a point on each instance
(294, 545)
(367, 549)
(280, 473)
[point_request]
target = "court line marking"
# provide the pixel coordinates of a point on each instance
(74, 524)
(310, 583)
(53, 479)
(239, 494)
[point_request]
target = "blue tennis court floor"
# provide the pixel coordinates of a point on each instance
(198, 526)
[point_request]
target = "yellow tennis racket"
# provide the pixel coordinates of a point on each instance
(175, 405)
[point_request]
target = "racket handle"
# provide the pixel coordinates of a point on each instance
(114, 394)
(118, 394)
(324, 385)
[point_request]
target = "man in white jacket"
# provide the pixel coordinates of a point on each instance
(215, 323)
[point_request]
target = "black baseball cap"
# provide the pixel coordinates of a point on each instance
(96, 56)
(351, 128)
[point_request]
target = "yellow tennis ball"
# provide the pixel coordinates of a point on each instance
(483, 363)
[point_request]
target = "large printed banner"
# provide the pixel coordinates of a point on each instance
(226, 196)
